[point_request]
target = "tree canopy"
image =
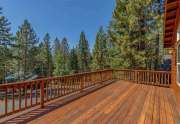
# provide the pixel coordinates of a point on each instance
(133, 39)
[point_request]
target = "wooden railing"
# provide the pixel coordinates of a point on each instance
(157, 78)
(24, 95)
(20, 96)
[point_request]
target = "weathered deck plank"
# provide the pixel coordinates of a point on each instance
(120, 102)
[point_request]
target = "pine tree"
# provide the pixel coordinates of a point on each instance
(61, 57)
(56, 46)
(119, 32)
(64, 49)
(46, 56)
(57, 58)
(158, 11)
(74, 60)
(100, 51)
(132, 29)
(26, 42)
(5, 34)
(5, 42)
(84, 53)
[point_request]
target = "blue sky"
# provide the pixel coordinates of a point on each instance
(61, 18)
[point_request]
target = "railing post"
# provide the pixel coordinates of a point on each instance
(42, 94)
(112, 74)
(136, 76)
(101, 77)
(6, 101)
(83, 79)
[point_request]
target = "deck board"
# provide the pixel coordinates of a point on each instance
(121, 102)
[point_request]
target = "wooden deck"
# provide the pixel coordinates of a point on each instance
(120, 102)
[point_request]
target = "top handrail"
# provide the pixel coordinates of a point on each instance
(79, 74)
(140, 70)
(52, 78)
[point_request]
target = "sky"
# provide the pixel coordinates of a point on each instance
(60, 18)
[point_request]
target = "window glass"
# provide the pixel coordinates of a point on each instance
(178, 54)
(178, 36)
(178, 65)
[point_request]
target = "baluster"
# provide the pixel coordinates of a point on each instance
(19, 97)
(160, 78)
(83, 79)
(51, 88)
(153, 79)
(68, 85)
(58, 83)
(61, 91)
(64, 85)
(31, 93)
(47, 90)
(42, 93)
(56, 87)
(25, 95)
(6, 100)
(167, 79)
(13, 101)
(36, 92)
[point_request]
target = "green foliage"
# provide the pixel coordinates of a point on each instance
(45, 56)
(5, 41)
(84, 53)
(61, 57)
(134, 40)
(26, 50)
(74, 66)
(100, 51)
(5, 34)
(133, 30)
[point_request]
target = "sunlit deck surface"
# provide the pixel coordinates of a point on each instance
(119, 102)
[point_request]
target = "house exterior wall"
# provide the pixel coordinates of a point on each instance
(174, 84)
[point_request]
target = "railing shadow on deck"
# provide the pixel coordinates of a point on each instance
(18, 97)
(53, 105)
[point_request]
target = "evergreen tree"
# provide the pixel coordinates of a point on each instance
(158, 10)
(74, 61)
(5, 42)
(26, 40)
(64, 49)
(46, 56)
(100, 51)
(56, 46)
(57, 58)
(119, 32)
(132, 29)
(62, 55)
(5, 34)
(84, 53)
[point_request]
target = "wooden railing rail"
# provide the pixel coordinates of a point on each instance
(157, 78)
(20, 96)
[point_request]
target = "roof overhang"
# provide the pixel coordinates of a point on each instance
(171, 22)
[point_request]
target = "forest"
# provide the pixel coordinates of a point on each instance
(133, 39)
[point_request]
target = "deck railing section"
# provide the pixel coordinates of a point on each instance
(21, 96)
(157, 78)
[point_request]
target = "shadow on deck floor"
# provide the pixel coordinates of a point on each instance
(37, 112)
(120, 102)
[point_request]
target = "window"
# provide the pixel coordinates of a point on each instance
(178, 36)
(178, 64)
